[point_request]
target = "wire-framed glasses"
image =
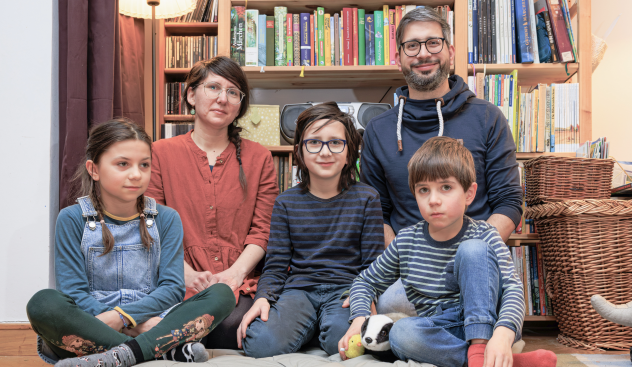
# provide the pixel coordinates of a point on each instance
(214, 90)
(315, 146)
(433, 45)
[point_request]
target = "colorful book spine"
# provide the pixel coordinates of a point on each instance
(327, 39)
(233, 39)
(569, 27)
(252, 41)
(398, 14)
(341, 42)
(311, 40)
(475, 31)
(348, 36)
(336, 43)
(391, 39)
(321, 36)
(361, 38)
(379, 37)
(262, 34)
(354, 15)
(385, 35)
(315, 33)
(369, 37)
(270, 40)
(296, 38)
(306, 48)
(280, 57)
(289, 42)
(512, 10)
(523, 19)
(558, 25)
(332, 40)
(241, 34)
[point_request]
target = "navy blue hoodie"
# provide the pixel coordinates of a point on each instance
(484, 131)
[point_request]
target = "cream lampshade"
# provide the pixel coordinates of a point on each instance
(164, 8)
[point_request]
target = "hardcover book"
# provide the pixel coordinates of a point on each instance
(348, 36)
(524, 48)
(262, 35)
(252, 41)
(321, 35)
(327, 39)
(361, 37)
(369, 36)
(289, 39)
(296, 38)
(354, 19)
(336, 44)
(385, 35)
(269, 40)
(280, 13)
(306, 48)
(558, 25)
(379, 37)
(391, 38)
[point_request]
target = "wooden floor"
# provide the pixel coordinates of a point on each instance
(18, 343)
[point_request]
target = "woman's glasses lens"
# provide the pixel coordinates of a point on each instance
(214, 90)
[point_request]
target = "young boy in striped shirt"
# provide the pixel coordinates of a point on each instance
(456, 271)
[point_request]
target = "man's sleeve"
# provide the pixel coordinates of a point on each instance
(372, 173)
(501, 169)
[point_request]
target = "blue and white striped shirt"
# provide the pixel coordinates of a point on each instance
(421, 263)
(322, 241)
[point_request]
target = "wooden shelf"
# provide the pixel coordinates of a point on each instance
(280, 148)
(196, 29)
(530, 74)
(331, 6)
(535, 155)
(178, 118)
(540, 318)
(523, 237)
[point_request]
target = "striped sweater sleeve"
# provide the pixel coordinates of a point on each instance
(372, 239)
(512, 304)
(279, 254)
(380, 275)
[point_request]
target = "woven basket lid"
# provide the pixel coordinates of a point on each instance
(580, 207)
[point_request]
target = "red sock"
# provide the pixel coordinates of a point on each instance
(537, 358)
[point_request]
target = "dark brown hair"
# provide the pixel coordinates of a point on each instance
(441, 157)
(327, 111)
(228, 69)
(100, 139)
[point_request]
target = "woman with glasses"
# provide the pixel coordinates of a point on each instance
(222, 186)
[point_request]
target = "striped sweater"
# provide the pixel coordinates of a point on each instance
(421, 263)
(322, 241)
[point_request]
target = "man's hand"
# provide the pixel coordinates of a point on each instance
(498, 350)
(354, 329)
(261, 308)
(142, 327)
(232, 278)
(111, 319)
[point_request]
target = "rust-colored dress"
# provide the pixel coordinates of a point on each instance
(218, 219)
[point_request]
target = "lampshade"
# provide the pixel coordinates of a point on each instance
(166, 9)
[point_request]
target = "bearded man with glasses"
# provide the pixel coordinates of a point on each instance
(434, 103)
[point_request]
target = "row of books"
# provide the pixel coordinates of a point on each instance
(286, 173)
(173, 99)
(205, 11)
(525, 226)
(529, 266)
(170, 130)
(541, 119)
(353, 37)
(506, 32)
(185, 51)
(599, 149)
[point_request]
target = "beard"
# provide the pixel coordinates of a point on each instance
(426, 81)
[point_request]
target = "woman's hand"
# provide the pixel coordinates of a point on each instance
(498, 350)
(261, 308)
(111, 319)
(354, 329)
(232, 278)
(198, 280)
(142, 327)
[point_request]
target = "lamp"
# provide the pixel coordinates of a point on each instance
(146, 9)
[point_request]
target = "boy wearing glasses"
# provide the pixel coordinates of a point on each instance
(324, 232)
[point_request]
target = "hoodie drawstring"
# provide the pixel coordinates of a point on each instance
(402, 101)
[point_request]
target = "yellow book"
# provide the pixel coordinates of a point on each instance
(327, 40)
(386, 33)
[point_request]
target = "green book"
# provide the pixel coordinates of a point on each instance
(379, 37)
(289, 44)
(321, 36)
(361, 41)
(280, 12)
(269, 41)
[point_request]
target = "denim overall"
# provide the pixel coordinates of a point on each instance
(126, 274)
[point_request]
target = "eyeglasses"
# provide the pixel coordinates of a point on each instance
(214, 90)
(412, 48)
(315, 146)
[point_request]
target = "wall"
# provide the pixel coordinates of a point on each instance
(612, 79)
(28, 152)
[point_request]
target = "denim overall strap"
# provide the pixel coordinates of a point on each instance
(150, 206)
(87, 209)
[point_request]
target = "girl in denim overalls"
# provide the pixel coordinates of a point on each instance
(119, 267)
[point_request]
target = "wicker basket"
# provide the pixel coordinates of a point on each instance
(551, 179)
(587, 248)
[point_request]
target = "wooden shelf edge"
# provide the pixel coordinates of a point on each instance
(540, 318)
(280, 148)
(523, 237)
(15, 326)
(192, 29)
(572, 67)
(529, 155)
(178, 118)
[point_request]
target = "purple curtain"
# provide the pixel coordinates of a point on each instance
(100, 77)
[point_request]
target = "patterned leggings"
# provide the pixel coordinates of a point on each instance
(69, 331)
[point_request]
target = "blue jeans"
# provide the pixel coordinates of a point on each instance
(294, 320)
(442, 339)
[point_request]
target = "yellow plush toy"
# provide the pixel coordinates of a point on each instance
(356, 348)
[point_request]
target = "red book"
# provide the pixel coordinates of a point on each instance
(398, 15)
(311, 39)
(541, 279)
(560, 33)
(391, 36)
(355, 36)
(348, 36)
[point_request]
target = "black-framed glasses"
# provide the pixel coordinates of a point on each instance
(214, 90)
(433, 45)
(315, 146)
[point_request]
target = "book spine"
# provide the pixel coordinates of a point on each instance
(336, 44)
(398, 14)
(500, 24)
(385, 35)
(233, 38)
(327, 37)
(534, 33)
(270, 41)
(535, 284)
(361, 37)
(369, 36)
(313, 58)
(241, 32)
(391, 34)
(289, 42)
(513, 30)
(379, 37)
(493, 31)
(479, 35)
(569, 28)
(470, 32)
(527, 271)
(485, 27)
(341, 33)
(296, 37)
(321, 35)
(541, 279)
(332, 41)
(348, 36)
(525, 55)
(354, 22)
(554, 127)
(560, 34)
(252, 47)
(262, 36)
(306, 48)
(280, 13)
